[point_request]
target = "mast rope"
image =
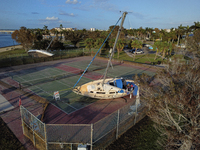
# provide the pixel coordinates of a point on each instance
(96, 53)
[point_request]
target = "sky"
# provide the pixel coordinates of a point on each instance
(99, 14)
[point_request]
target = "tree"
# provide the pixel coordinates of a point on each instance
(74, 36)
(94, 34)
(195, 26)
(45, 30)
(89, 43)
(55, 32)
(173, 35)
(166, 47)
(157, 47)
(179, 32)
(111, 42)
(24, 36)
(193, 43)
(173, 98)
(61, 31)
(149, 32)
(98, 43)
(137, 45)
(38, 34)
(120, 45)
(115, 31)
(163, 47)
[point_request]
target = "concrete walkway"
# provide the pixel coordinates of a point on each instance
(4, 104)
(10, 113)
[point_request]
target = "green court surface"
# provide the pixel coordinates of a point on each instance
(46, 80)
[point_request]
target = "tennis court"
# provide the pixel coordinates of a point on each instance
(62, 76)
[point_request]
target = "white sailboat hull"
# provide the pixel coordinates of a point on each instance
(112, 88)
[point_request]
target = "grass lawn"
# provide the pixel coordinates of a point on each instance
(13, 53)
(140, 58)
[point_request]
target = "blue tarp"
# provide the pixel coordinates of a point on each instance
(119, 83)
(135, 89)
(134, 86)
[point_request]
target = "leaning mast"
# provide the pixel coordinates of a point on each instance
(120, 28)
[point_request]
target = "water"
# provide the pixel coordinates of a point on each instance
(6, 40)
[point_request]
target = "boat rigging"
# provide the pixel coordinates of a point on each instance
(107, 88)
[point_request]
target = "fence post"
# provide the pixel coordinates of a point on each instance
(91, 136)
(33, 130)
(135, 114)
(137, 103)
(22, 119)
(117, 124)
(45, 134)
(33, 138)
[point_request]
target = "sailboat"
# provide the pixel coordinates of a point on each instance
(108, 88)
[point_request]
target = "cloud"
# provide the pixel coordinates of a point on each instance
(67, 14)
(72, 2)
(51, 18)
(34, 13)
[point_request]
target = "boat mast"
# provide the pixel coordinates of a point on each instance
(120, 28)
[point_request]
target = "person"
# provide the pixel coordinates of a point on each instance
(20, 87)
(128, 86)
(131, 88)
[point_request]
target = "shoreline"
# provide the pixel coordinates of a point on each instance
(8, 48)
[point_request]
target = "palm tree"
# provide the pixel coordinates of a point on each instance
(166, 47)
(120, 45)
(61, 31)
(89, 43)
(136, 44)
(157, 47)
(195, 26)
(45, 30)
(149, 32)
(187, 32)
(179, 32)
(161, 34)
(173, 34)
(98, 44)
(74, 36)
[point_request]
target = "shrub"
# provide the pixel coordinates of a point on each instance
(39, 59)
(56, 57)
(48, 58)
(5, 63)
(17, 61)
(28, 60)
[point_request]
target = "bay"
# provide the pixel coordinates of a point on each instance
(6, 40)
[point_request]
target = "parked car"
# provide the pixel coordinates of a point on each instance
(131, 50)
(150, 47)
(139, 51)
(147, 45)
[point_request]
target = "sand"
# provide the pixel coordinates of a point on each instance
(3, 49)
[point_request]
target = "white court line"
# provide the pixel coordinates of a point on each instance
(51, 94)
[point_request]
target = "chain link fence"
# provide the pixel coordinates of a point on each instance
(69, 136)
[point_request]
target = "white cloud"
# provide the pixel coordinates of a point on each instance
(51, 18)
(72, 2)
(67, 14)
